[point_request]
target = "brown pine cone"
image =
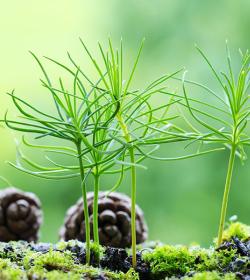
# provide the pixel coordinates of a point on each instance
(113, 218)
(20, 215)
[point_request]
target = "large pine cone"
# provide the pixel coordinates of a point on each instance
(20, 215)
(114, 220)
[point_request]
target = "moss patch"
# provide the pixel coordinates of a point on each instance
(211, 276)
(237, 229)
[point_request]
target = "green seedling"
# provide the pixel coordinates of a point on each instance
(110, 128)
(226, 122)
(139, 127)
(81, 118)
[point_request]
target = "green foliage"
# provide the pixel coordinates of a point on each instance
(139, 127)
(109, 127)
(226, 122)
(112, 128)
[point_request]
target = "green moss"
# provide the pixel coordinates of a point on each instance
(131, 275)
(168, 260)
(4, 264)
(53, 260)
(53, 275)
(62, 265)
(211, 276)
(97, 250)
(13, 274)
(224, 257)
(10, 271)
(18, 261)
(237, 229)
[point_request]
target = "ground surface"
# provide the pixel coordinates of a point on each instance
(66, 260)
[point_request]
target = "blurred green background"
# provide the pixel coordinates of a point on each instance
(181, 200)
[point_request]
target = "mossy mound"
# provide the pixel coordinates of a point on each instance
(66, 260)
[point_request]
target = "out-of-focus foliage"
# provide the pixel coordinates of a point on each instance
(181, 199)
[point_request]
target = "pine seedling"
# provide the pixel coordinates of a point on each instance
(80, 118)
(226, 122)
(139, 127)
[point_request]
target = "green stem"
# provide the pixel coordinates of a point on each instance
(133, 206)
(226, 193)
(95, 212)
(133, 188)
(85, 205)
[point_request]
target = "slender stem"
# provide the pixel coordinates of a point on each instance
(133, 206)
(226, 193)
(133, 188)
(95, 213)
(85, 205)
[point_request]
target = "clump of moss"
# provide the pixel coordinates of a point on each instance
(96, 250)
(53, 260)
(53, 275)
(166, 261)
(213, 275)
(10, 271)
(236, 229)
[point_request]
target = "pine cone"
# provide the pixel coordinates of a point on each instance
(20, 215)
(114, 220)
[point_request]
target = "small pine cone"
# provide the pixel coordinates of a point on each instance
(20, 215)
(114, 220)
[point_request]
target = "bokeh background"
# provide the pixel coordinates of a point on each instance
(181, 200)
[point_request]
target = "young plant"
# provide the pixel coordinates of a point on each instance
(111, 128)
(139, 127)
(81, 118)
(226, 122)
